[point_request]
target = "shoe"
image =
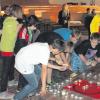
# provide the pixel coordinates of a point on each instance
(31, 94)
(34, 93)
(13, 83)
(6, 95)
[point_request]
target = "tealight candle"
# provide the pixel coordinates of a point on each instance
(63, 92)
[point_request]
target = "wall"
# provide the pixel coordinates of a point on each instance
(45, 2)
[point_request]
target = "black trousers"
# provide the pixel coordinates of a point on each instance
(22, 82)
(6, 71)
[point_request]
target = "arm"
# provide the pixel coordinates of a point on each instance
(43, 79)
(86, 61)
(83, 58)
(61, 60)
(58, 59)
(63, 57)
(97, 59)
(56, 67)
(52, 58)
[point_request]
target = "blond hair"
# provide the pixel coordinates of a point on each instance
(16, 11)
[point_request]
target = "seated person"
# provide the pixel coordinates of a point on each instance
(69, 36)
(86, 54)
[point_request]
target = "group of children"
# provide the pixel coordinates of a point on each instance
(36, 55)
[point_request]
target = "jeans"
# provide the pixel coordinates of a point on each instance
(77, 64)
(33, 81)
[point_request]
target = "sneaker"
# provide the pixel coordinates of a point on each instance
(31, 94)
(6, 95)
(13, 83)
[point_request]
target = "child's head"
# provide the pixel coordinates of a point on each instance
(32, 22)
(57, 46)
(94, 39)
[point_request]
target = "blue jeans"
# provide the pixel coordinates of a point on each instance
(77, 64)
(33, 81)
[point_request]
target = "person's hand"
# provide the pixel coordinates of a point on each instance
(88, 63)
(66, 64)
(94, 63)
(59, 62)
(62, 68)
(43, 92)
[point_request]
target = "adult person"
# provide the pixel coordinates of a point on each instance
(64, 16)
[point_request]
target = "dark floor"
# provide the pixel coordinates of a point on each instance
(49, 96)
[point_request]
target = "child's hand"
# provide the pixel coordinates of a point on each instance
(68, 66)
(62, 68)
(65, 65)
(88, 63)
(59, 62)
(93, 63)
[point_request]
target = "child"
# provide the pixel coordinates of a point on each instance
(84, 52)
(58, 59)
(32, 61)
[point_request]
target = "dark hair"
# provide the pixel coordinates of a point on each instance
(95, 35)
(58, 44)
(48, 37)
(23, 20)
(87, 9)
(32, 20)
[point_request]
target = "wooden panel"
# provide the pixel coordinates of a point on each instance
(51, 11)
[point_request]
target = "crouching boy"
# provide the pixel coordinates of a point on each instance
(86, 54)
(31, 61)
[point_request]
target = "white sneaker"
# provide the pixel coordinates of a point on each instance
(13, 83)
(6, 95)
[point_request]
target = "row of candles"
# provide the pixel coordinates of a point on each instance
(58, 90)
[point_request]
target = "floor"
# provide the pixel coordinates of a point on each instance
(49, 96)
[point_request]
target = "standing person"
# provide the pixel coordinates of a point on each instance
(87, 21)
(95, 24)
(32, 28)
(27, 34)
(64, 16)
(6, 11)
(93, 12)
(7, 44)
(86, 54)
(32, 61)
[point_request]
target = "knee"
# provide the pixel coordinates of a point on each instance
(34, 84)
